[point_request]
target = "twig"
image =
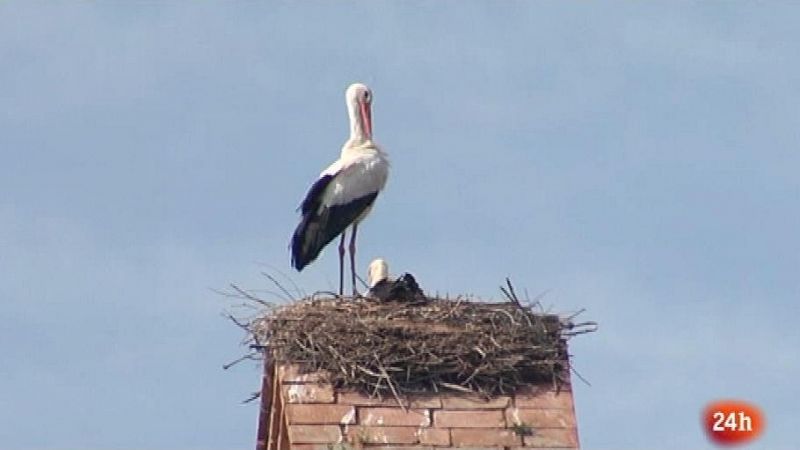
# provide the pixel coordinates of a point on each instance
(253, 396)
(280, 286)
(575, 314)
(573, 370)
(299, 293)
(249, 296)
(391, 384)
(456, 387)
(237, 361)
(238, 323)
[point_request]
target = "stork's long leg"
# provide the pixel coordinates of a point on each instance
(341, 263)
(353, 258)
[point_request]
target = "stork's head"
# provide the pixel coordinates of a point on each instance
(359, 101)
(378, 270)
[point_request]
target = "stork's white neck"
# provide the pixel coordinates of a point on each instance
(358, 130)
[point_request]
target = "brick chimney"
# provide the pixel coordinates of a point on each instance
(302, 412)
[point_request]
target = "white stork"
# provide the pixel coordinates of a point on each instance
(381, 287)
(377, 272)
(345, 191)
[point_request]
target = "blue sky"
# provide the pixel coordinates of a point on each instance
(637, 160)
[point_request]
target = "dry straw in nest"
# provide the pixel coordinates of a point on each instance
(393, 348)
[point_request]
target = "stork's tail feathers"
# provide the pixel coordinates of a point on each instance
(316, 230)
(310, 237)
(301, 257)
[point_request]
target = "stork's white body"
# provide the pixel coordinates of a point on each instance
(361, 170)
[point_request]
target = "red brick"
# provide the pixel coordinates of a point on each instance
(397, 447)
(539, 397)
(501, 437)
(470, 447)
(291, 373)
(552, 437)
(474, 402)
(356, 398)
(308, 414)
(529, 448)
(541, 418)
(327, 446)
(394, 417)
(314, 434)
(434, 436)
(308, 393)
(469, 419)
(382, 435)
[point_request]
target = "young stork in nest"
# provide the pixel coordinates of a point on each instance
(403, 289)
(345, 191)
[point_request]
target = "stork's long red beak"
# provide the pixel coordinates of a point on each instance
(366, 119)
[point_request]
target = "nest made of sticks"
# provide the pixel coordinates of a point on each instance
(394, 348)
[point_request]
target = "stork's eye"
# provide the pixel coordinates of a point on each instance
(367, 97)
